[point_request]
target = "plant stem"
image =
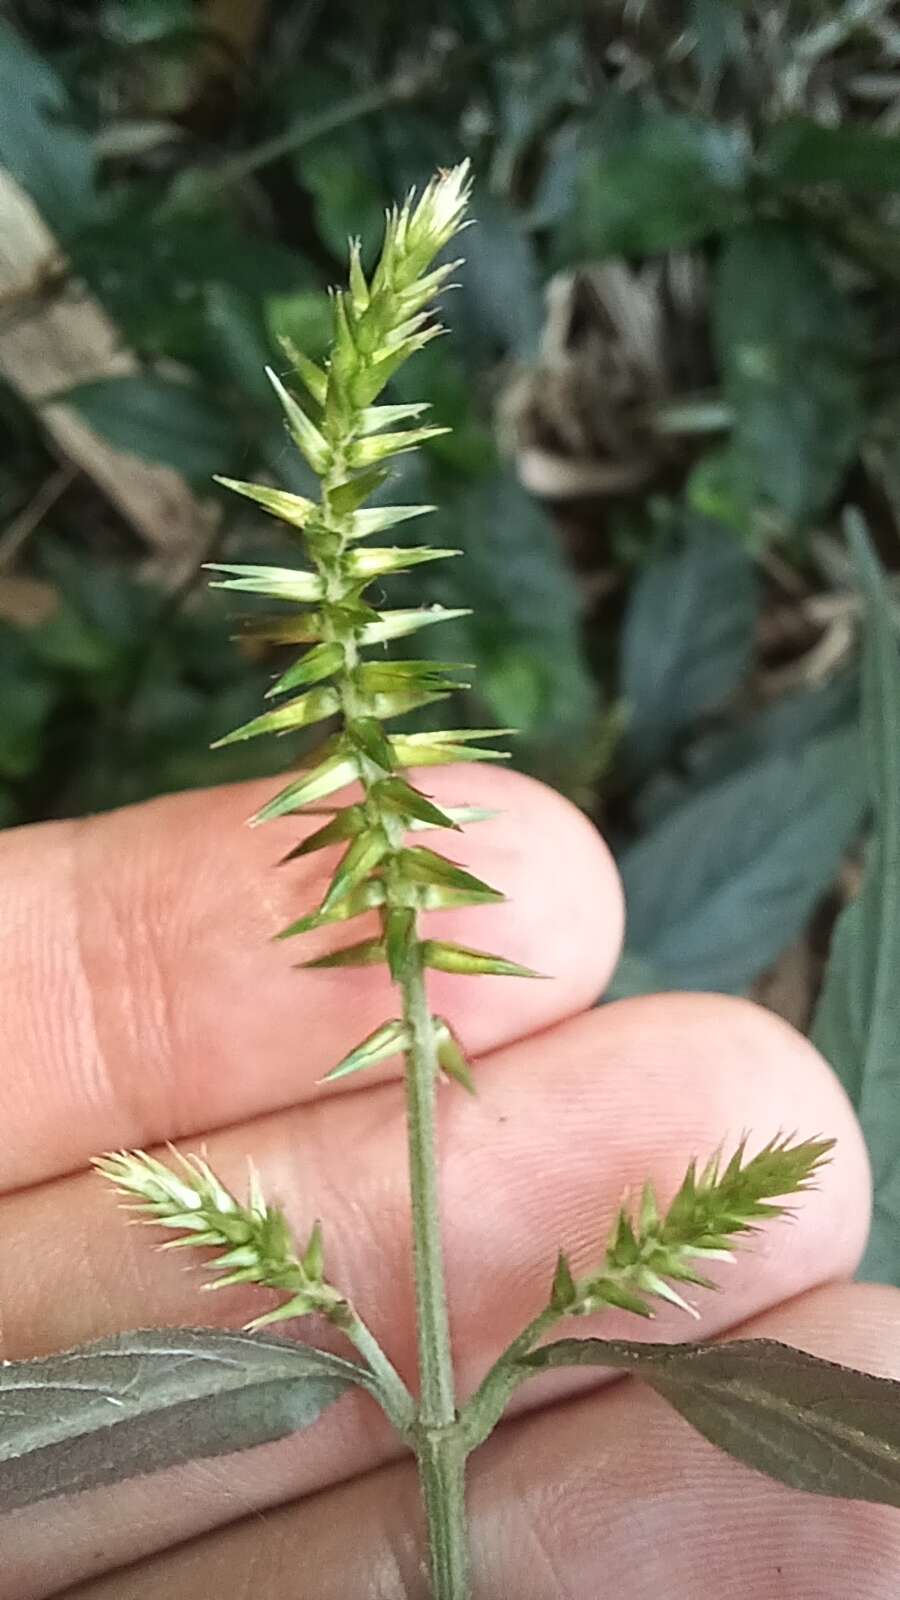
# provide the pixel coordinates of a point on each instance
(398, 1403)
(438, 1407)
(487, 1405)
(442, 1465)
(441, 1451)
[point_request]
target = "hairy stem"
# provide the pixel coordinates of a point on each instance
(487, 1405)
(438, 1408)
(441, 1456)
(441, 1453)
(398, 1403)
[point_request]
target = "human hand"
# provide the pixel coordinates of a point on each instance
(143, 1001)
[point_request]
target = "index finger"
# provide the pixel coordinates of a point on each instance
(141, 998)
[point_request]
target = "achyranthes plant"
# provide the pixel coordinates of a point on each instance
(143, 1401)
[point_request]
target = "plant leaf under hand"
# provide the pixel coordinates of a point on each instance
(809, 1423)
(140, 1402)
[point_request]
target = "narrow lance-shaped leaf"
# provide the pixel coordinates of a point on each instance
(380, 446)
(366, 954)
(452, 1059)
(460, 817)
(294, 627)
(309, 441)
(377, 563)
(386, 1041)
(367, 897)
(400, 623)
(344, 498)
(420, 865)
(404, 800)
(308, 708)
(141, 1402)
(808, 1423)
(367, 734)
(361, 858)
(368, 384)
(313, 376)
(279, 583)
(346, 824)
(441, 897)
(445, 957)
(312, 667)
(339, 768)
(398, 701)
(377, 519)
(443, 749)
(375, 418)
(292, 508)
(388, 676)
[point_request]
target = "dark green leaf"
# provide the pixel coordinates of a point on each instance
(525, 632)
(789, 348)
(857, 1025)
(721, 40)
(728, 879)
(174, 423)
(498, 303)
(784, 727)
(808, 1423)
(686, 643)
(652, 181)
(40, 144)
(140, 1402)
(29, 699)
(802, 152)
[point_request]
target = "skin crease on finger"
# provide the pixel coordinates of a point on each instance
(559, 1129)
(172, 1010)
(611, 1495)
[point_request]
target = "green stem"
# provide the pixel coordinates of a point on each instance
(487, 1405)
(441, 1450)
(396, 1400)
(438, 1408)
(442, 1467)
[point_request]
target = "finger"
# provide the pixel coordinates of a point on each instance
(563, 1124)
(141, 996)
(611, 1495)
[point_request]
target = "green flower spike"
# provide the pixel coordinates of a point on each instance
(741, 1396)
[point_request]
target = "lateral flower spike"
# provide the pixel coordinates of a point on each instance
(708, 1215)
(250, 1240)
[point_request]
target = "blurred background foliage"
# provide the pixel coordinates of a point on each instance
(675, 362)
